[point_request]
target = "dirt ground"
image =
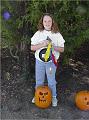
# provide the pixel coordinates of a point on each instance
(16, 93)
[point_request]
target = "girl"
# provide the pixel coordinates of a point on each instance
(47, 29)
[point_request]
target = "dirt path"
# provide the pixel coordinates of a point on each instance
(17, 92)
(17, 95)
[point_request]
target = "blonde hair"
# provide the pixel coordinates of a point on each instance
(54, 28)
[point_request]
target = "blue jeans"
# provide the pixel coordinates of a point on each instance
(44, 67)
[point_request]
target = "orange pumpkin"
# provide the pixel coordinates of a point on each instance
(43, 96)
(82, 100)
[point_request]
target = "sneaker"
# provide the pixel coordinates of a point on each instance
(54, 101)
(33, 100)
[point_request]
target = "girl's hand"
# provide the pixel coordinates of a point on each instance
(45, 43)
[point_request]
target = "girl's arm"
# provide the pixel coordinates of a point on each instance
(40, 45)
(58, 49)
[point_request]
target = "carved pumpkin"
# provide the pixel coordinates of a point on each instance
(82, 100)
(43, 96)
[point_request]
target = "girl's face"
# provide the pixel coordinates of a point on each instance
(47, 22)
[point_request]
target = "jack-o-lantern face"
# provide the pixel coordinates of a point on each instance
(43, 96)
(82, 100)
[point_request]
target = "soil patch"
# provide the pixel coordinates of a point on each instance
(17, 92)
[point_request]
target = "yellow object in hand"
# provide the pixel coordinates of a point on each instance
(47, 54)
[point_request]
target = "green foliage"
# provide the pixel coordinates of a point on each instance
(72, 18)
